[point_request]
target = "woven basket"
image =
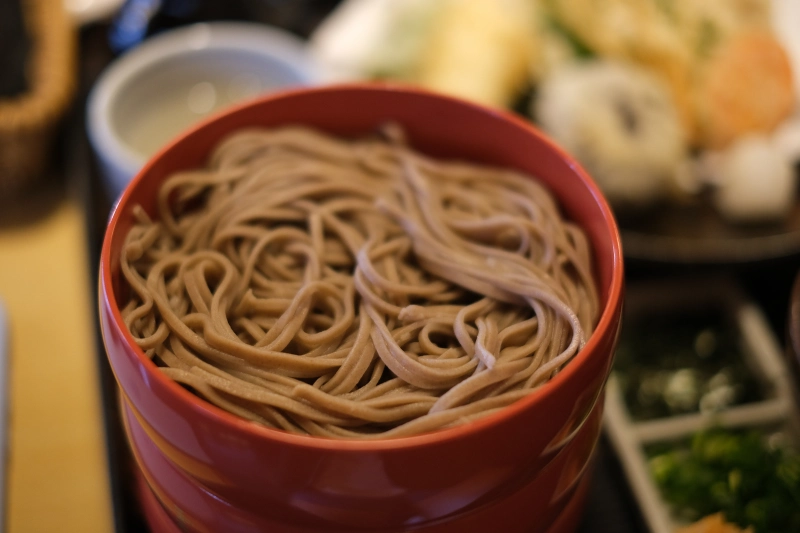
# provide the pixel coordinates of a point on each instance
(28, 120)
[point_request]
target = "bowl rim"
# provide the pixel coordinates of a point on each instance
(254, 38)
(605, 323)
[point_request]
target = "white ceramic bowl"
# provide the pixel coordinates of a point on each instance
(176, 78)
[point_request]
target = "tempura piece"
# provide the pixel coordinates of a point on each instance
(481, 50)
(620, 123)
(727, 72)
(635, 31)
(746, 87)
(709, 22)
(374, 38)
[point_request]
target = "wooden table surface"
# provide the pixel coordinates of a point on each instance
(57, 478)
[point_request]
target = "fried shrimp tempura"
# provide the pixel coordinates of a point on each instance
(747, 87)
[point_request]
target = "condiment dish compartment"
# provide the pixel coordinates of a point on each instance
(632, 435)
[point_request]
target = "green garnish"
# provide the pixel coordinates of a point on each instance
(752, 483)
(678, 363)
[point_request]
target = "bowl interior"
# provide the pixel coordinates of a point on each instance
(437, 125)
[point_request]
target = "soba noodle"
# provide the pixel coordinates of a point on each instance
(356, 288)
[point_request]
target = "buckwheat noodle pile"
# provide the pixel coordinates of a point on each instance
(355, 288)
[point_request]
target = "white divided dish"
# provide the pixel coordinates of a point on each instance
(763, 358)
(177, 78)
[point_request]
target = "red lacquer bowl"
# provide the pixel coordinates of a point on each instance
(519, 469)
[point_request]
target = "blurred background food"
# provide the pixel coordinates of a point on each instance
(641, 91)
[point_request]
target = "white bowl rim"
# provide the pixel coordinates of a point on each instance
(256, 38)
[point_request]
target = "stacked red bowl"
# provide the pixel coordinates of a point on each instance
(524, 468)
